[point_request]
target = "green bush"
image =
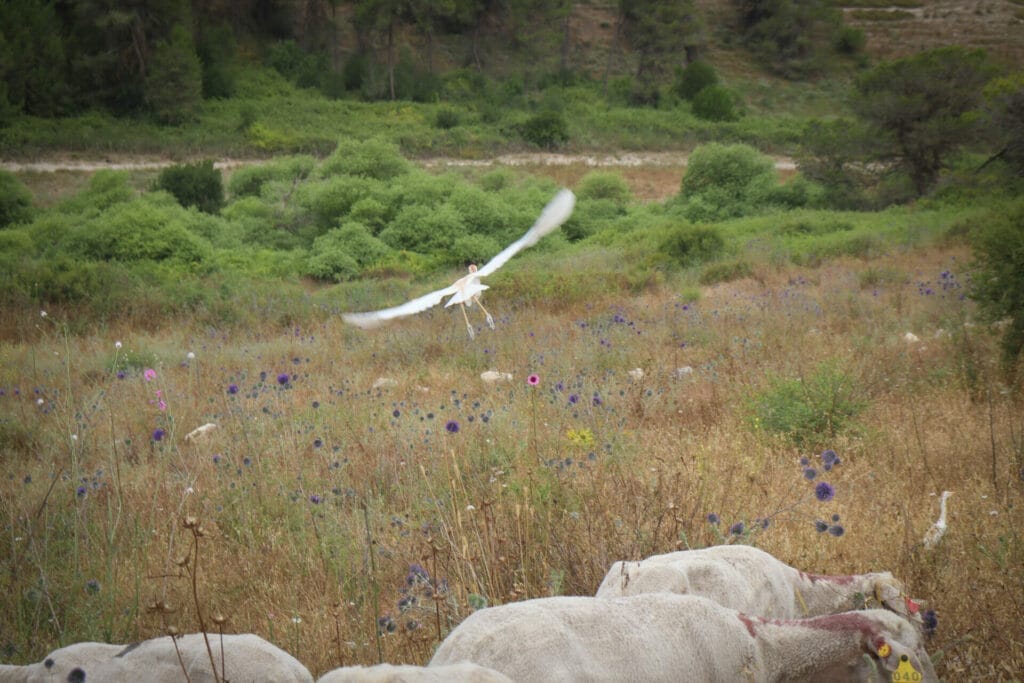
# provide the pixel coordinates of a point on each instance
(689, 245)
(198, 184)
(715, 103)
(726, 181)
(174, 83)
(424, 229)
(328, 201)
(604, 185)
(547, 129)
(851, 40)
(341, 254)
(249, 180)
(371, 158)
(725, 272)
(15, 200)
(478, 249)
(105, 189)
(695, 77)
(146, 228)
(999, 276)
(809, 411)
(446, 118)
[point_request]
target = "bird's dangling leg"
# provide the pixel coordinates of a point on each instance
(490, 320)
(469, 328)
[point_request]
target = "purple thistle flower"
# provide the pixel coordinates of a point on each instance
(836, 530)
(452, 427)
(820, 526)
(931, 621)
(713, 518)
(81, 491)
(573, 399)
(314, 499)
(92, 586)
(283, 378)
(216, 458)
(596, 400)
(158, 434)
(737, 529)
(232, 388)
(824, 491)
(810, 473)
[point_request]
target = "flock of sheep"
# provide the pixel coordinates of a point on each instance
(725, 613)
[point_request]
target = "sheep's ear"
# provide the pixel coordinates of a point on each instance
(892, 598)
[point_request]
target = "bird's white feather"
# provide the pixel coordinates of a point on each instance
(465, 288)
(554, 214)
(374, 318)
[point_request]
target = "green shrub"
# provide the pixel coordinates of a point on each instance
(15, 200)
(999, 276)
(146, 228)
(688, 245)
(695, 77)
(851, 40)
(603, 185)
(371, 158)
(424, 229)
(726, 181)
(446, 118)
(328, 201)
(809, 411)
(478, 249)
(715, 103)
(249, 180)
(199, 185)
(174, 82)
(341, 254)
(105, 189)
(547, 129)
(725, 272)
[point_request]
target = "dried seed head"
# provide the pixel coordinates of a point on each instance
(172, 630)
(190, 522)
(182, 561)
(219, 619)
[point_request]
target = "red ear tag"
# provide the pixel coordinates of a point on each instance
(912, 606)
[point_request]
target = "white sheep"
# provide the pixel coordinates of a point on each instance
(460, 672)
(754, 582)
(246, 657)
(669, 637)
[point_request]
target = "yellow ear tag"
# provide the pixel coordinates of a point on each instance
(906, 672)
(884, 650)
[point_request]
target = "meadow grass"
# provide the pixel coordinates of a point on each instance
(350, 523)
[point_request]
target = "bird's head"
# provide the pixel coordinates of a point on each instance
(472, 267)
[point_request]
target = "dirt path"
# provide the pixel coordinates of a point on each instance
(624, 159)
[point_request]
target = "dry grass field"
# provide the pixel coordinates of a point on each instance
(363, 491)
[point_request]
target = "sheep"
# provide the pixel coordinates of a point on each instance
(460, 672)
(666, 637)
(752, 581)
(58, 665)
(246, 657)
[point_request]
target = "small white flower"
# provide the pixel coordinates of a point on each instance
(74, 437)
(39, 401)
(117, 344)
(296, 620)
(191, 356)
(42, 314)
(470, 508)
(189, 490)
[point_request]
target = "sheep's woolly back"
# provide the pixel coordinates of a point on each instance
(661, 636)
(59, 664)
(749, 580)
(247, 657)
(462, 672)
(641, 638)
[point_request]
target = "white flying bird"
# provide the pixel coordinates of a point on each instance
(467, 289)
(937, 530)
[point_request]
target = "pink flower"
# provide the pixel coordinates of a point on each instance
(161, 405)
(533, 380)
(149, 374)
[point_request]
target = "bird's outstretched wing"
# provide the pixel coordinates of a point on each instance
(554, 214)
(374, 318)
